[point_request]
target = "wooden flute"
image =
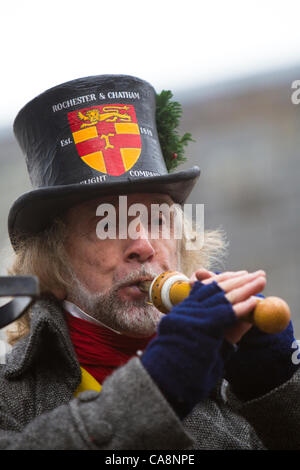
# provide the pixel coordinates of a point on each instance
(271, 314)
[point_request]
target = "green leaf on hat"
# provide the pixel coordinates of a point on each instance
(168, 114)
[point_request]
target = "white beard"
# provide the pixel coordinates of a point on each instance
(134, 318)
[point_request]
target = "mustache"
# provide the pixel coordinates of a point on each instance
(138, 275)
(80, 291)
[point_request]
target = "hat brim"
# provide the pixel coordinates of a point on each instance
(33, 211)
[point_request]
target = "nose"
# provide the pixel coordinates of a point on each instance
(139, 249)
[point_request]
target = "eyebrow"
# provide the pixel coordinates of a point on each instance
(156, 199)
(162, 200)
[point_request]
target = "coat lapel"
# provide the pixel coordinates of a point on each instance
(47, 349)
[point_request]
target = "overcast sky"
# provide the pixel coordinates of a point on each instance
(172, 44)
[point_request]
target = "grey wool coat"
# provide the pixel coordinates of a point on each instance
(38, 409)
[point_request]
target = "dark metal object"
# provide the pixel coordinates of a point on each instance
(25, 288)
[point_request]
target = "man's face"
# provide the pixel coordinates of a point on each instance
(106, 272)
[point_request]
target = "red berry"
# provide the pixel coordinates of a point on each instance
(174, 156)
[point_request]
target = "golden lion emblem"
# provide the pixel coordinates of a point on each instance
(110, 114)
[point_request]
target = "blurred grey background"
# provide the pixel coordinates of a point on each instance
(247, 134)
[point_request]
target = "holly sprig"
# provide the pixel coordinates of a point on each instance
(168, 114)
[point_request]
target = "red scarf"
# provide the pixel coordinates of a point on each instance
(100, 350)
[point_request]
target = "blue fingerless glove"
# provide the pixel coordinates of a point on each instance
(262, 362)
(185, 358)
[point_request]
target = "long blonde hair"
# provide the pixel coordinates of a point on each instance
(44, 256)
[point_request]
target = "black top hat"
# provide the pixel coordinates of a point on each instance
(86, 138)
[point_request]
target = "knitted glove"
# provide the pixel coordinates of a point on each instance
(185, 359)
(262, 362)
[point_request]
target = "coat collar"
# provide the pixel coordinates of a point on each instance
(46, 319)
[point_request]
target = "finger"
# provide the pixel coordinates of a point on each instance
(234, 283)
(244, 292)
(200, 275)
(244, 308)
(224, 276)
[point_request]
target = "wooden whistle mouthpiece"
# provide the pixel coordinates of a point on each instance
(271, 315)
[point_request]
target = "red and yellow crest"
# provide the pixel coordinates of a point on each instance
(107, 137)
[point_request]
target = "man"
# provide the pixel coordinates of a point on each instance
(98, 366)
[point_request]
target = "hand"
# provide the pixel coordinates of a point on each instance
(186, 358)
(240, 287)
(261, 363)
